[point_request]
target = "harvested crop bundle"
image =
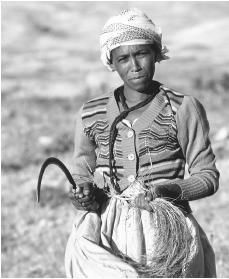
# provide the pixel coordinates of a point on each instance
(173, 243)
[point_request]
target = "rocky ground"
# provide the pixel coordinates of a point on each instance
(50, 66)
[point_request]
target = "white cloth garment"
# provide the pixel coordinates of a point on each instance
(95, 239)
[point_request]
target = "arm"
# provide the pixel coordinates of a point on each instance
(193, 137)
(84, 150)
(84, 163)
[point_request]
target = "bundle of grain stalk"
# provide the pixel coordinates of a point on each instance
(173, 241)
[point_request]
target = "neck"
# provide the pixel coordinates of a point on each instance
(134, 97)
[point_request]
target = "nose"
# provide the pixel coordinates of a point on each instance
(135, 67)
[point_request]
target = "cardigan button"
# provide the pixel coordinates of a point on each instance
(130, 134)
(131, 178)
(130, 156)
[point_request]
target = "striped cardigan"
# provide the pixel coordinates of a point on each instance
(172, 131)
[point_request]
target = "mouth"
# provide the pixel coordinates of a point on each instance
(138, 77)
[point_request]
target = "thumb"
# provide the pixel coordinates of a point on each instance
(142, 203)
(87, 188)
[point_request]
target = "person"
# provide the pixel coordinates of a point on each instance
(133, 145)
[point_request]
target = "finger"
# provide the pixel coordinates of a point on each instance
(73, 197)
(87, 192)
(142, 203)
(81, 205)
(78, 189)
(87, 189)
(85, 207)
(79, 196)
(77, 205)
(85, 204)
(148, 196)
(86, 199)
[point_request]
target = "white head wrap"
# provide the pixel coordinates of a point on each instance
(130, 27)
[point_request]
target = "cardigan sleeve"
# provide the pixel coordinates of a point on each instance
(84, 150)
(193, 136)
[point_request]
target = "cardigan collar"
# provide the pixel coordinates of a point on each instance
(156, 105)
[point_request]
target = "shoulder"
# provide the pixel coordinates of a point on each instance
(189, 110)
(191, 105)
(174, 97)
(180, 101)
(95, 106)
(100, 100)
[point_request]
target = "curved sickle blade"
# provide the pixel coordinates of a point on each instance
(57, 162)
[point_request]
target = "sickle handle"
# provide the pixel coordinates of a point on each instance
(57, 162)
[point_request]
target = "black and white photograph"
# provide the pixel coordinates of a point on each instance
(114, 139)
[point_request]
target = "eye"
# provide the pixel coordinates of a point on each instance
(142, 53)
(122, 59)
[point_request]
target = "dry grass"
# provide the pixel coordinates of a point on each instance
(50, 65)
(172, 244)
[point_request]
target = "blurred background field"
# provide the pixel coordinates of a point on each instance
(50, 66)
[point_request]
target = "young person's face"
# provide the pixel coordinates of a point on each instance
(135, 65)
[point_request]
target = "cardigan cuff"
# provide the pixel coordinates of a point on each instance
(193, 188)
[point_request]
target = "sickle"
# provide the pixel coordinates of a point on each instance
(55, 161)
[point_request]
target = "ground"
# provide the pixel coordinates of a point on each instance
(50, 66)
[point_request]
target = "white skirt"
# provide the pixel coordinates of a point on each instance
(95, 239)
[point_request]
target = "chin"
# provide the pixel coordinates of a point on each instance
(140, 87)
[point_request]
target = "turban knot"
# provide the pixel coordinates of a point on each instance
(130, 27)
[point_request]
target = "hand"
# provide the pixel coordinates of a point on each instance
(83, 197)
(142, 201)
(170, 192)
